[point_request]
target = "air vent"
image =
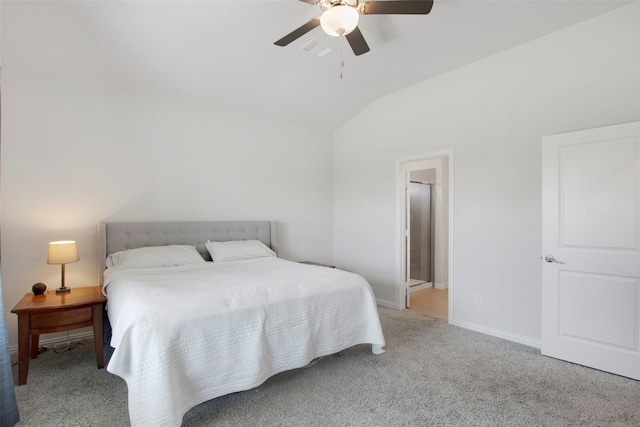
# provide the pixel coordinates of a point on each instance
(314, 48)
(308, 46)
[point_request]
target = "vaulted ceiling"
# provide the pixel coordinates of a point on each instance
(222, 52)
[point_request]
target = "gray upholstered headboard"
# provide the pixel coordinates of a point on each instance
(119, 236)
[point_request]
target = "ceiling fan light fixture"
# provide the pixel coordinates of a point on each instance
(339, 20)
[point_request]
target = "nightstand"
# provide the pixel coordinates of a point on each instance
(51, 312)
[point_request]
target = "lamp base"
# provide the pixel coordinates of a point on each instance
(63, 290)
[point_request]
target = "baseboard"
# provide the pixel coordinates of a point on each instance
(52, 342)
(520, 339)
(440, 286)
(389, 304)
(425, 285)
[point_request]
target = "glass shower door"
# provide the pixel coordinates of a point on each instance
(420, 233)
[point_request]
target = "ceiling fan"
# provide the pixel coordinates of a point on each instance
(340, 18)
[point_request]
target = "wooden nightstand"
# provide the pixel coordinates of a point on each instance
(51, 312)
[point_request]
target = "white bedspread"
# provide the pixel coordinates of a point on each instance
(185, 335)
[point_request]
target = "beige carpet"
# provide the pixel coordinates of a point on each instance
(432, 374)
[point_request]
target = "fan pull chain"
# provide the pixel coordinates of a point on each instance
(342, 58)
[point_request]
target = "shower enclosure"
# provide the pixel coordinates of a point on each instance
(420, 233)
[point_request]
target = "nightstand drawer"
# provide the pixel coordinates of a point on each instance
(61, 318)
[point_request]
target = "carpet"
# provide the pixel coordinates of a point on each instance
(432, 374)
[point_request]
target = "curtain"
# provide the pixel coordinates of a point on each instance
(8, 406)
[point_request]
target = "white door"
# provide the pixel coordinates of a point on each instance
(407, 240)
(591, 242)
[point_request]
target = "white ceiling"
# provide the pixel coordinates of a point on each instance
(222, 52)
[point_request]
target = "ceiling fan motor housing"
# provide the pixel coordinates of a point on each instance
(328, 4)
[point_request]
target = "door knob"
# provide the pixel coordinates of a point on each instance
(549, 258)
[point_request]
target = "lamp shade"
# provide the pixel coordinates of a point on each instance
(62, 252)
(339, 20)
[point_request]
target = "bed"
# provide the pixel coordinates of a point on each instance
(185, 331)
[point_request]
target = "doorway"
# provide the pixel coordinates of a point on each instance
(425, 209)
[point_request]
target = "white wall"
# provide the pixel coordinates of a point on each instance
(492, 114)
(77, 149)
(77, 152)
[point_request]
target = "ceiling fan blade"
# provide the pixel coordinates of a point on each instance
(298, 32)
(405, 7)
(310, 1)
(357, 42)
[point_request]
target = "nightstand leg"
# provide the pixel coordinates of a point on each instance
(24, 324)
(97, 334)
(35, 344)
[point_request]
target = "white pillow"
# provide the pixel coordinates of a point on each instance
(155, 256)
(238, 249)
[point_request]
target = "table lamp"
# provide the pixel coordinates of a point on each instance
(62, 252)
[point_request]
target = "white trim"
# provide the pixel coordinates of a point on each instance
(421, 286)
(401, 165)
(440, 286)
(388, 304)
(520, 339)
(401, 182)
(52, 342)
(400, 283)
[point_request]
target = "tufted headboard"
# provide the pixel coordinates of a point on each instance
(119, 236)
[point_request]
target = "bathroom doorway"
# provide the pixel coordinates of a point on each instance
(421, 228)
(425, 244)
